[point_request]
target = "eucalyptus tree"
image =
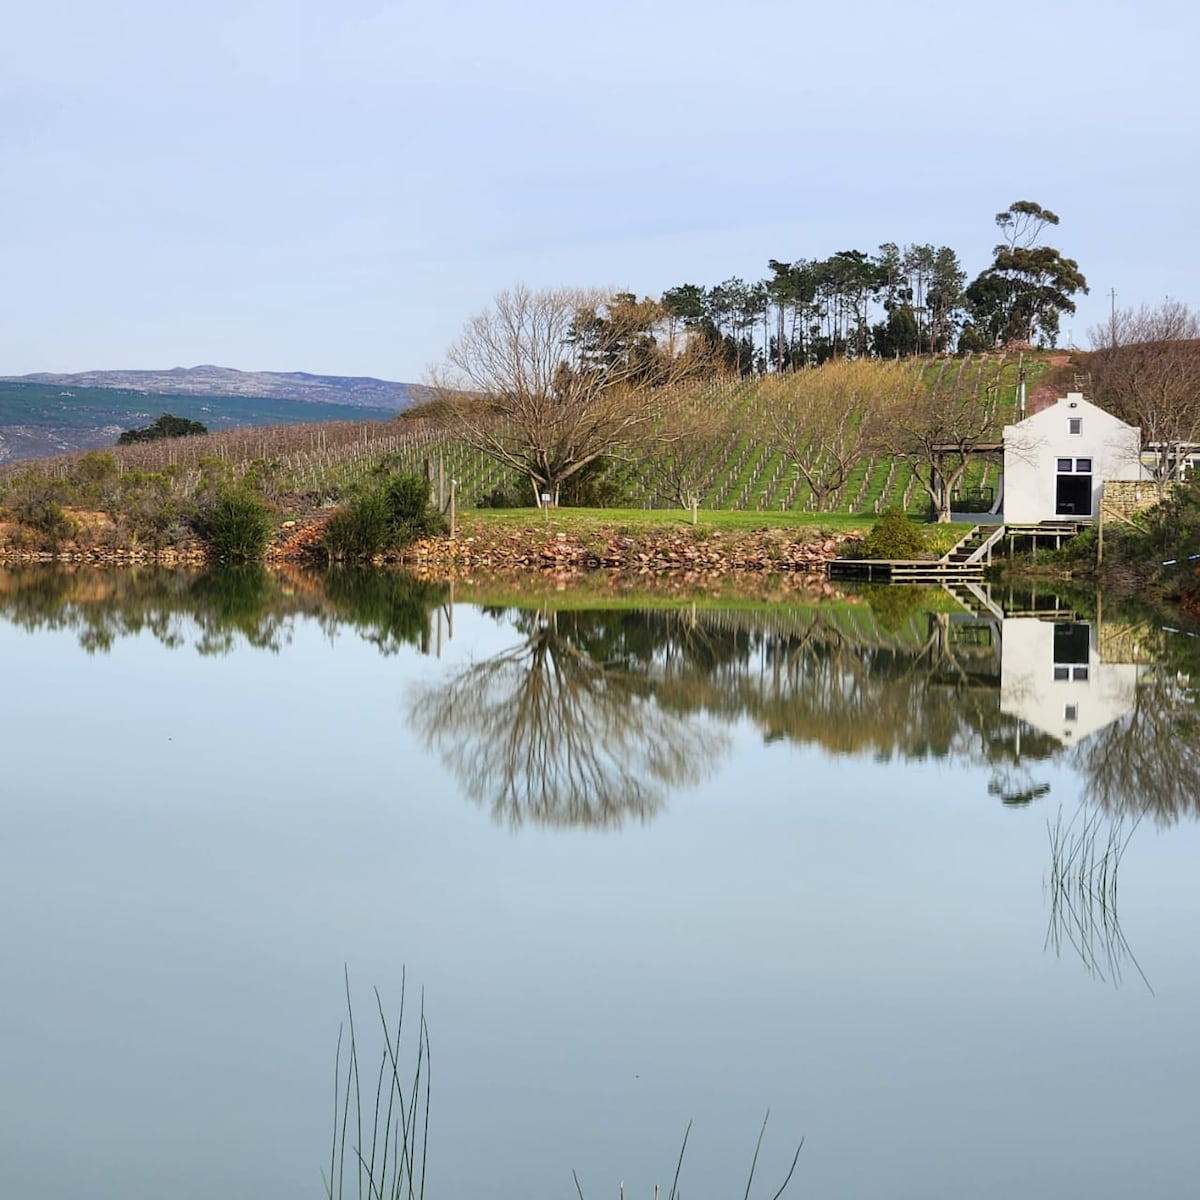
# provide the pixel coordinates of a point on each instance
(899, 336)
(1028, 286)
(734, 308)
(919, 269)
(892, 285)
(683, 305)
(620, 337)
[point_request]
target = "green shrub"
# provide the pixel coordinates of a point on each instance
(236, 526)
(360, 529)
(151, 506)
(265, 477)
(409, 512)
(894, 535)
(385, 515)
(35, 502)
(96, 479)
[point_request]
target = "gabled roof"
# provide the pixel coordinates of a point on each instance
(1071, 405)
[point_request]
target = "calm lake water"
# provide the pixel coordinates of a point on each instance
(851, 863)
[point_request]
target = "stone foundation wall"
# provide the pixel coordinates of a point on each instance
(1122, 498)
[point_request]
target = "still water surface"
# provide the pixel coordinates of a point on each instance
(647, 867)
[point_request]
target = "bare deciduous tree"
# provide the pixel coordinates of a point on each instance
(547, 382)
(692, 434)
(1146, 369)
(941, 420)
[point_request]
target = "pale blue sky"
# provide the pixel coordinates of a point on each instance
(337, 187)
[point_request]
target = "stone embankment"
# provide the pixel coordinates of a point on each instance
(498, 549)
(643, 552)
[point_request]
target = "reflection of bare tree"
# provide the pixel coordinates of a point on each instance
(1085, 860)
(1149, 760)
(551, 734)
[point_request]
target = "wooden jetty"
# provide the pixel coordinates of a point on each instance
(1044, 534)
(966, 560)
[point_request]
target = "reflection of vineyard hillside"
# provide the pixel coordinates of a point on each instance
(926, 686)
(216, 610)
(839, 678)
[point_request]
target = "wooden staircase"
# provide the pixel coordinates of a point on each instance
(975, 548)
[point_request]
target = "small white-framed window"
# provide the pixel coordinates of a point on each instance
(1075, 426)
(1071, 712)
(1079, 674)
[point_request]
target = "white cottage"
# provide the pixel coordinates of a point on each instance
(1056, 461)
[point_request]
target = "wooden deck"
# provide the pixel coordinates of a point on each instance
(965, 562)
(884, 570)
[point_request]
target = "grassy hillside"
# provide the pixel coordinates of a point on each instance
(301, 465)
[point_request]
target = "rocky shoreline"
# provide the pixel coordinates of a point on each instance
(482, 546)
(717, 552)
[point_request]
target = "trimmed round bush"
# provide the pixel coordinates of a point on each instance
(894, 536)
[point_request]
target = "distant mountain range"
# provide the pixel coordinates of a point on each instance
(50, 413)
(224, 381)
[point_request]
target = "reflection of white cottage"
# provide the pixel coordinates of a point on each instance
(1053, 678)
(1056, 461)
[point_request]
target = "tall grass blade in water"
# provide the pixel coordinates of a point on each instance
(381, 1141)
(676, 1194)
(1085, 861)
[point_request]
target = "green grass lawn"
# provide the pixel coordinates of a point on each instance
(585, 520)
(581, 522)
(595, 592)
